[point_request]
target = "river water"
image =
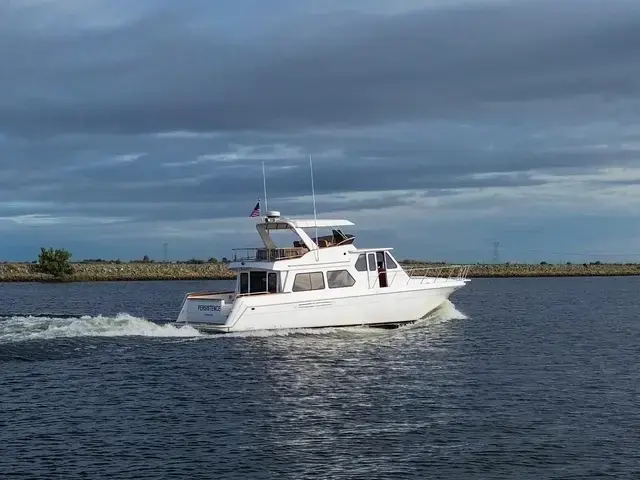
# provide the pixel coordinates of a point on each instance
(517, 378)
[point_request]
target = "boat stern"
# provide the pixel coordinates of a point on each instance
(206, 311)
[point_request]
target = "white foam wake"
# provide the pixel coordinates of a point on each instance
(14, 329)
(447, 311)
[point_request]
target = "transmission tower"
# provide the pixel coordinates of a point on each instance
(165, 246)
(496, 252)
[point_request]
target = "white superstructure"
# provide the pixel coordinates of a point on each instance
(324, 281)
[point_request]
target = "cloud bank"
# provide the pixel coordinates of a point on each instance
(457, 123)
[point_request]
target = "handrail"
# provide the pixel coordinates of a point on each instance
(248, 294)
(267, 254)
(210, 292)
(443, 273)
(453, 273)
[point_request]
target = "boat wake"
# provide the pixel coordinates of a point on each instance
(25, 328)
(445, 312)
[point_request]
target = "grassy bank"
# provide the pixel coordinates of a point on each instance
(545, 270)
(94, 272)
(88, 272)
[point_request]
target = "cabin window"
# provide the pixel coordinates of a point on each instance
(272, 282)
(361, 263)
(339, 279)
(244, 283)
(390, 262)
(308, 281)
(372, 262)
(258, 281)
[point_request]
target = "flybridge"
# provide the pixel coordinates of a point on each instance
(305, 243)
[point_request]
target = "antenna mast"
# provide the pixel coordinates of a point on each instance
(313, 194)
(264, 184)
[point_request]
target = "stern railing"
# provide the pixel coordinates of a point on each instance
(267, 254)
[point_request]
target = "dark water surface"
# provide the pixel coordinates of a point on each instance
(522, 378)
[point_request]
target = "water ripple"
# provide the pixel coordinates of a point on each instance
(536, 379)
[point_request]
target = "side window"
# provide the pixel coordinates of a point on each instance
(339, 279)
(317, 281)
(244, 283)
(361, 263)
(308, 281)
(390, 262)
(372, 262)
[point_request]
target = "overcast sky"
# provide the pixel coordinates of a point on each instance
(437, 127)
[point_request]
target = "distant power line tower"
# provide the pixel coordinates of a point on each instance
(165, 247)
(496, 252)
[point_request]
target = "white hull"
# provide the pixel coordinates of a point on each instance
(379, 307)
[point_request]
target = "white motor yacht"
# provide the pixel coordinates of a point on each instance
(318, 282)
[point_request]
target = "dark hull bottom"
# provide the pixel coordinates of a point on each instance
(385, 326)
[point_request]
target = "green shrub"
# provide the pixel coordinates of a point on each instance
(195, 261)
(55, 262)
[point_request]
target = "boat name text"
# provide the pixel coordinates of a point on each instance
(209, 308)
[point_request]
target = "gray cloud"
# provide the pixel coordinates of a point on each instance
(110, 181)
(158, 74)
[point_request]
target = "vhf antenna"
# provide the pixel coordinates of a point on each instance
(313, 195)
(264, 184)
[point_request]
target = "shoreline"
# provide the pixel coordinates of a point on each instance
(131, 272)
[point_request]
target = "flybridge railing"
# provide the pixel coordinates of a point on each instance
(266, 254)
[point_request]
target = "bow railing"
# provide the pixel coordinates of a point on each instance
(440, 273)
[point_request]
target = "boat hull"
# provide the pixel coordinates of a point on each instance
(221, 329)
(381, 308)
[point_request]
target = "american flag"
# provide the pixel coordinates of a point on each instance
(256, 210)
